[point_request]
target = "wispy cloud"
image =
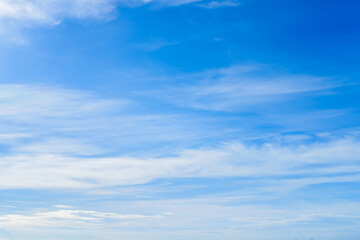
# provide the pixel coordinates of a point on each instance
(34, 102)
(160, 3)
(301, 219)
(335, 161)
(36, 12)
(244, 87)
(218, 4)
(184, 217)
(68, 218)
(154, 45)
(49, 119)
(15, 15)
(51, 141)
(52, 12)
(59, 140)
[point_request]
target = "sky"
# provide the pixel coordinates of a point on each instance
(179, 119)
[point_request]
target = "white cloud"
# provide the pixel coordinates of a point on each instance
(67, 218)
(21, 102)
(159, 218)
(52, 12)
(199, 3)
(15, 15)
(218, 4)
(335, 161)
(244, 87)
(300, 219)
(184, 216)
(51, 120)
(53, 136)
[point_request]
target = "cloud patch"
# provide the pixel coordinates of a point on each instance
(243, 87)
(68, 218)
(53, 11)
(294, 167)
(219, 4)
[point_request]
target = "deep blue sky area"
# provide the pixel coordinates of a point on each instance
(301, 36)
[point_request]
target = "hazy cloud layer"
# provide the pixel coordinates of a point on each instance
(68, 218)
(49, 145)
(156, 120)
(184, 218)
(335, 161)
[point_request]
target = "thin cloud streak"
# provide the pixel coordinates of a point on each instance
(219, 4)
(327, 160)
(67, 218)
(243, 87)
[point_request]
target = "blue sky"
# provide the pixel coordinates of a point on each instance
(179, 119)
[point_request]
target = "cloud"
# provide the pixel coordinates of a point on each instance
(162, 217)
(21, 102)
(243, 87)
(68, 218)
(15, 15)
(60, 138)
(69, 139)
(335, 161)
(154, 45)
(53, 12)
(52, 120)
(198, 3)
(300, 219)
(218, 4)
(159, 3)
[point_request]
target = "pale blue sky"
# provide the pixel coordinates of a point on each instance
(179, 119)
